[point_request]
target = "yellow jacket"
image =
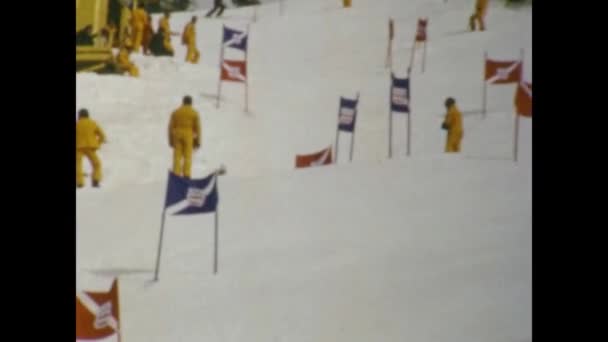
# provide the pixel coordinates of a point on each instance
(453, 120)
(139, 18)
(481, 6)
(185, 124)
(88, 134)
(163, 26)
(189, 35)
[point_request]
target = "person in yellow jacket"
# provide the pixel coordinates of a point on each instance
(147, 37)
(481, 7)
(89, 136)
(346, 3)
(122, 59)
(139, 21)
(165, 29)
(189, 39)
(184, 135)
(453, 124)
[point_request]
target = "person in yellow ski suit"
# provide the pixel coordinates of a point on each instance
(453, 124)
(165, 28)
(122, 59)
(139, 21)
(481, 7)
(189, 39)
(89, 136)
(184, 135)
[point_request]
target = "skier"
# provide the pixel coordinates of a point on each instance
(88, 138)
(189, 39)
(147, 36)
(217, 4)
(184, 135)
(453, 124)
(480, 12)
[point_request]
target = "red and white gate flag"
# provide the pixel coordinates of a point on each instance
(523, 99)
(97, 314)
(421, 30)
(503, 72)
(235, 71)
(316, 159)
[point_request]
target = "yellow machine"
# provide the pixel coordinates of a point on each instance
(99, 13)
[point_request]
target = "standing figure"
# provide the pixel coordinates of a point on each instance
(217, 4)
(189, 39)
(480, 12)
(89, 136)
(123, 62)
(165, 29)
(139, 19)
(148, 34)
(453, 124)
(184, 135)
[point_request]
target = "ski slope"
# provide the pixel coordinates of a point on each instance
(431, 247)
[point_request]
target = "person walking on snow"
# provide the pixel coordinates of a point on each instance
(217, 4)
(184, 135)
(165, 30)
(453, 124)
(189, 39)
(139, 21)
(481, 7)
(89, 136)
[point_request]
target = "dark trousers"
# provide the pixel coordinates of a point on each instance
(216, 6)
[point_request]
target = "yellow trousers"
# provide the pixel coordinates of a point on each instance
(130, 68)
(167, 45)
(91, 155)
(453, 142)
(193, 54)
(477, 17)
(182, 156)
(138, 37)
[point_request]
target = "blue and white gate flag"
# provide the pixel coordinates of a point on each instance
(347, 115)
(235, 39)
(400, 94)
(191, 196)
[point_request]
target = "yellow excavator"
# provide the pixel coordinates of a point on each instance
(100, 26)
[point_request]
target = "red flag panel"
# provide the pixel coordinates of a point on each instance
(523, 99)
(234, 71)
(503, 72)
(93, 321)
(320, 158)
(421, 30)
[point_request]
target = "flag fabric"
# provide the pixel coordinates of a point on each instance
(347, 115)
(523, 99)
(235, 71)
(503, 72)
(235, 39)
(391, 29)
(191, 196)
(316, 159)
(421, 30)
(97, 314)
(400, 94)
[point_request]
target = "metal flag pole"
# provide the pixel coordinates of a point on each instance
(516, 129)
(409, 114)
(352, 139)
(219, 83)
(216, 232)
(160, 245)
(485, 61)
(247, 74)
(390, 119)
(338, 131)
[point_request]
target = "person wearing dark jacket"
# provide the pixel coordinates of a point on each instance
(217, 4)
(85, 36)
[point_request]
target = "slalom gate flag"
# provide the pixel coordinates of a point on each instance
(234, 71)
(316, 159)
(235, 39)
(523, 99)
(97, 314)
(421, 30)
(347, 115)
(391, 29)
(191, 196)
(400, 95)
(503, 72)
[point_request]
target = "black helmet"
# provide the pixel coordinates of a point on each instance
(187, 100)
(449, 102)
(83, 113)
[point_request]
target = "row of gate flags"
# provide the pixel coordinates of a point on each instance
(233, 70)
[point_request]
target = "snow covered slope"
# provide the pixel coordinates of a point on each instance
(427, 248)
